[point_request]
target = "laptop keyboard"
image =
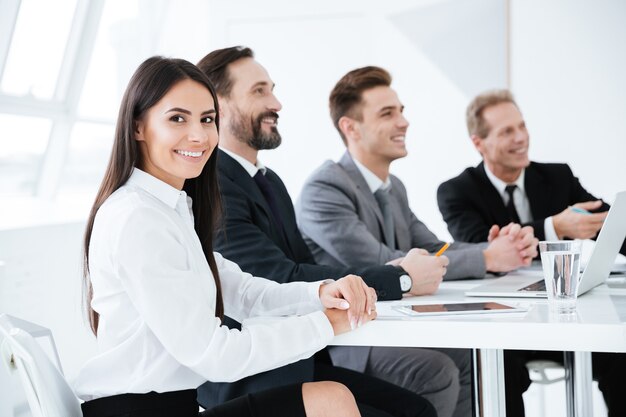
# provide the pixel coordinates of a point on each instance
(535, 286)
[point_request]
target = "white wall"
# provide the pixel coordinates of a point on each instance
(567, 66)
(308, 47)
(569, 75)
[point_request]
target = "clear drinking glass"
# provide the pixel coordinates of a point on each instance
(561, 267)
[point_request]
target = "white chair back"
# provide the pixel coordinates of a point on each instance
(47, 392)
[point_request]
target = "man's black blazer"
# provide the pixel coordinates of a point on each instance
(470, 204)
(250, 237)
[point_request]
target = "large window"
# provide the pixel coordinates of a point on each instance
(87, 156)
(64, 65)
(22, 146)
(41, 52)
(33, 62)
(112, 62)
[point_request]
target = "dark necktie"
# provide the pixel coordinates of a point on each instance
(268, 192)
(510, 206)
(382, 196)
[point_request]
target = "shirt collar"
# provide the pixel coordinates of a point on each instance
(373, 182)
(501, 185)
(250, 168)
(161, 190)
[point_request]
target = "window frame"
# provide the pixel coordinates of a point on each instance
(62, 108)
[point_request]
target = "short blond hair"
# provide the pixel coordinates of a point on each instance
(476, 124)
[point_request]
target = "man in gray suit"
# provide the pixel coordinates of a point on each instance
(354, 212)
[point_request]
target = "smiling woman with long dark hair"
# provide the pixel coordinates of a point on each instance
(156, 292)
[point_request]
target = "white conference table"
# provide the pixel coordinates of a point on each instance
(599, 325)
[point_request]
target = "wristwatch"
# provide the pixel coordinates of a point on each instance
(405, 280)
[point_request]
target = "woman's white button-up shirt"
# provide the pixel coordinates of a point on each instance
(155, 294)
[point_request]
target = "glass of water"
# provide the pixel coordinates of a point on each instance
(561, 267)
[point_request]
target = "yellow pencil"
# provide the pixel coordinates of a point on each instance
(443, 249)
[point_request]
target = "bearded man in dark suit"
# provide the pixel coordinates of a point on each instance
(260, 234)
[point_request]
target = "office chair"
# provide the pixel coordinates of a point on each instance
(47, 392)
(537, 372)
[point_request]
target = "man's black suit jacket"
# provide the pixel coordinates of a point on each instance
(249, 236)
(470, 204)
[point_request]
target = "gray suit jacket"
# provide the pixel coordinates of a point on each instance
(342, 224)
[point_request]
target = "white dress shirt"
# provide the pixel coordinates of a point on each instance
(156, 295)
(520, 200)
(250, 168)
(372, 180)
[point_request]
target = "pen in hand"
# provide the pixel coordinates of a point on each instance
(579, 210)
(443, 249)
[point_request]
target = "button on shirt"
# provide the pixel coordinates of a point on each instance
(155, 294)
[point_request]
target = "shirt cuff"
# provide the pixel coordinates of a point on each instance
(323, 326)
(314, 291)
(548, 229)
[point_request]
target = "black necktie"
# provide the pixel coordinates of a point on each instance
(510, 206)
(382, 196)
(268, 192)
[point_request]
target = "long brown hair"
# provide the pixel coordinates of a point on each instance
(152, 80)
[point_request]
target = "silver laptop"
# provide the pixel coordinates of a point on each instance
(530, 283)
